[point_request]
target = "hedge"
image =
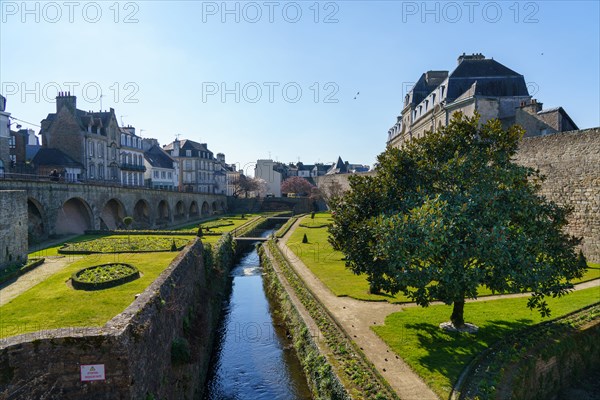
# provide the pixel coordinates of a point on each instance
(16, 270)
(83, 285)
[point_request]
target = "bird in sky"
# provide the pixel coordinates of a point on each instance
(356, 95)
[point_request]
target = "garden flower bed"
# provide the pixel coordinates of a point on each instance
(134, 244)
(104, 276)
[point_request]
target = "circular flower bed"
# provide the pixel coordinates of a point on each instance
(104, 276)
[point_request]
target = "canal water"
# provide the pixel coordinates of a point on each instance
(253, 358)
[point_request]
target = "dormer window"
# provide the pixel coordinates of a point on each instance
(188, 153)
(442, 91)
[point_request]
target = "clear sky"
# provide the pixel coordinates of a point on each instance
(279, 79)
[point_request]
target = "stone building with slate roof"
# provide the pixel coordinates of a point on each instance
(132, 158)
(162, 171)
(478, 85)
(89, 138)
(197, 165)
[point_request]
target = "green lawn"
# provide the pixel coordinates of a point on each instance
(329, 267)
(53, 250)
(54, 304)
(236, 221)
(439, 357)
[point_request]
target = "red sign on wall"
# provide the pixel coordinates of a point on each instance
(92, 372)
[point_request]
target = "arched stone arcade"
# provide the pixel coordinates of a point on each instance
(74, 217)
(112, 214)
(36, 221)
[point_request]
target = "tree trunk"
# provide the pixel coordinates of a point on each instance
(457, 316)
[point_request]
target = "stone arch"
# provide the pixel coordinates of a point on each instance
(205, 208)
(215, 207)
(36, 218)
(179, 210)
(75, 216)
(163, 212)
(223, 208)
(112, 214)
(193, 209)
(141, 213)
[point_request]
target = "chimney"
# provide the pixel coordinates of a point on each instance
(533, 107)
(175, 148)
(221, 157)
(2, 103)
(474, 56)
(65, 99)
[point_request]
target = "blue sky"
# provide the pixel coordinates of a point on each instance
(196, 69)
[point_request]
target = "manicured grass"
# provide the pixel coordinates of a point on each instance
(123, 243)
(53, 250)
(439, 357)
(329, 267)
(233, 222)
(54, 304)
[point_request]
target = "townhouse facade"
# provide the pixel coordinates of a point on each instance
(477, 84)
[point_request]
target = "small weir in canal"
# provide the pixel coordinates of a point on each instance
(253, 358)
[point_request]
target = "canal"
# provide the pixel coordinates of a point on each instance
(253, 357)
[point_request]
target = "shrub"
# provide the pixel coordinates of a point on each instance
(305, 239)
(173, 246)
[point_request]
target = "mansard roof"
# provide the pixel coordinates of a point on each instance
(158, 158)
(187, 144)
(491, 78)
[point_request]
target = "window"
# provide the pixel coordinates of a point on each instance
(91, 148)
(123, 142)
(101, 150)
(100, 171)
(170, 175)
(188, 164)
(140, 161)
(163, 175)
(188, 153)
(92, 170)
(12, 142)
(155, 174)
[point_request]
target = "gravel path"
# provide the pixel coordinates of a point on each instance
(356, 317)
(51, 265)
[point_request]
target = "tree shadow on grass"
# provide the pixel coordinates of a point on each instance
(448, 353)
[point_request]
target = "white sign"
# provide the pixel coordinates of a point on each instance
(92, 372)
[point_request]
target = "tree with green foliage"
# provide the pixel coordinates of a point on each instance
(451, 211)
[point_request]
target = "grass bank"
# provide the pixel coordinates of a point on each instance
(439, 356)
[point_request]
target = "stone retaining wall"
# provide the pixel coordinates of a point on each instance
(183, 304)
(571, 163)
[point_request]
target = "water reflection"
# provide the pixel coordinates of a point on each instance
(253, 359)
